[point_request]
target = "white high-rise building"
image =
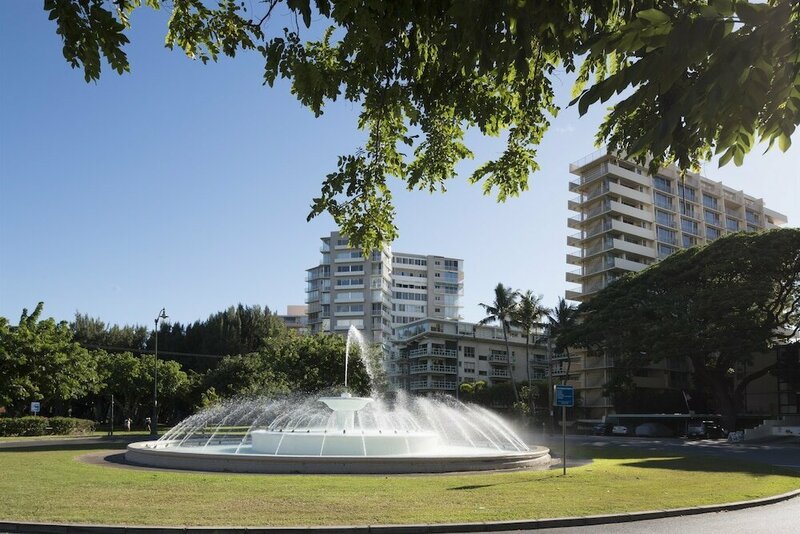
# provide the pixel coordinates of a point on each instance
(379, 293)
(627, 220)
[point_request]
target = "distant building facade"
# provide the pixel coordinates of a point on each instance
(437, 355)
(296, 318)
(379, 293)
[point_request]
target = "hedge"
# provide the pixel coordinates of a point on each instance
(40, 426)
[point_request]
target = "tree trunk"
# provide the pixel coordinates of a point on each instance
(510, 365)
(726, 403)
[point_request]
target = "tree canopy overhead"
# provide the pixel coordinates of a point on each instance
(699, 77)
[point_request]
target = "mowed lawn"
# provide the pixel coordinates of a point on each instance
(50, 485)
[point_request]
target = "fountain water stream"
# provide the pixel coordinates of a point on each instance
(342, 434)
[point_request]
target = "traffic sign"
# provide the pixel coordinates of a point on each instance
(564, 396)
(36, 407)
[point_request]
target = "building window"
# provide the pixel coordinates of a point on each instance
(689, 241)
(687, 193)
(665, 218)
(712, 233)
(469, 352)
(665, 250)
(662, 184)
(662, 201)
(731, 224)
(666, 235)
(711, 218)
(689, 226)
(687, 209)
(709, 201)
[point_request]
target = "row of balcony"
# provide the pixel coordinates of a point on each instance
(432, 368)
(441, 385)
(427, 351)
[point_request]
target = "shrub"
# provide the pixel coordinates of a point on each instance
(29, 426)
(38, 426)
(70, 425)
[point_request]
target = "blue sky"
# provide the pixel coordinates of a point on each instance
(187, 186)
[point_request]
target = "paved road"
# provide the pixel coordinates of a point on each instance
(780, 518)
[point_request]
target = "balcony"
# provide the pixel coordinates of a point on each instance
(441, 385)
(433, 368)
(425, 351)
(499, 373)
(498, 358)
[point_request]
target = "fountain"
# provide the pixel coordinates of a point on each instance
(341, 434)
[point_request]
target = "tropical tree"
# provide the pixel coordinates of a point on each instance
(527, 316)
(503, 311)
(699, 77)
(562, 321)
(719, 306)
(130, 379)
(40, 361)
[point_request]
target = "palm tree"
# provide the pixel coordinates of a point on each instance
(562, 323)
(527, 316)
(502, 310)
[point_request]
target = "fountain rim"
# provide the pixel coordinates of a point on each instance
(145, 453)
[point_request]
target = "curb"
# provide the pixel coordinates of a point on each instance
(489, 526)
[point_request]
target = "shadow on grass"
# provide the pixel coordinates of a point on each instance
(707, 464)
(471, 487)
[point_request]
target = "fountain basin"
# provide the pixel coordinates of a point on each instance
(342, 444)
(221, 458)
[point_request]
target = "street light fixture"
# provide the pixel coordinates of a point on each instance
(154, 422)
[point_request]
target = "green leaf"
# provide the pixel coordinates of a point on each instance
(653, 16)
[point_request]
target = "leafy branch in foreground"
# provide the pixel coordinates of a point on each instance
(698, 78)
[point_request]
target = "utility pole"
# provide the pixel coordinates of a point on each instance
(154, 420)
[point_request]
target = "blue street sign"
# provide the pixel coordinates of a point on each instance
(35, 407)
(565, 396)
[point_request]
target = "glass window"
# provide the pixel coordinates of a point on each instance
(712, 233)
(665, 218)
(711, 217)
(662, 200)
(709, 201)
(663, 184)
(665, 235)
(686, 192)
(732, 224)
(689, 226)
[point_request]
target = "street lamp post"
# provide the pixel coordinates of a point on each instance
(154, 423)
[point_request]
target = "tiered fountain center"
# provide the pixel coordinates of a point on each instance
(342, 436)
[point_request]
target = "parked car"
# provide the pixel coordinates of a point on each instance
(705, 429)
(620, 430)
(602, 429)
(653, 430)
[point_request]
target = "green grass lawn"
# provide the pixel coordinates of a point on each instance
(50, 484)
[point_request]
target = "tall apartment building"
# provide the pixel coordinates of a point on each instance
(436, 355)
(627, 220)
(379, 293)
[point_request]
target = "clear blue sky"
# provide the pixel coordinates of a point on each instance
(187, 186)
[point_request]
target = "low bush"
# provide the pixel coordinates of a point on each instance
(23, 426)
(69, 425)
(40, 426)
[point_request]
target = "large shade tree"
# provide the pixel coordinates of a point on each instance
(40, 361)
(698, 77)
(719, 306)
(502, 310)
